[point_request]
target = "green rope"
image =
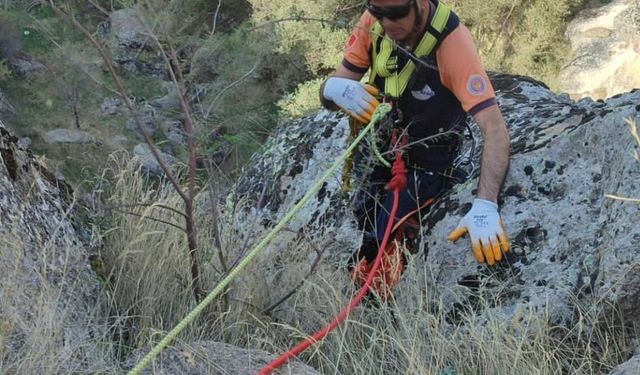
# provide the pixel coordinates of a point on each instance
(382, 110)
(374, 146)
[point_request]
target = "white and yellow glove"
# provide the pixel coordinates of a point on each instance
(355, 98)
(486, 230)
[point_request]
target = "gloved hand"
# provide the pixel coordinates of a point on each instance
(353, 97)
(485, 227)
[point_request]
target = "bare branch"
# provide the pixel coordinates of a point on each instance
(150, 218)
(312, 269)
(231, 85)
(148, 205)
(245, 244)
(176, 78)
(188, 123)
(215, 18)
(106, 56)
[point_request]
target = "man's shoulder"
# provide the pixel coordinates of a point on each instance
(457, 42)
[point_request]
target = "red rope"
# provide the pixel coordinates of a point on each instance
(396, 184)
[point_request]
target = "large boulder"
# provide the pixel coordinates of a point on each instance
(131, 45)
(295, 156)
(570, 239)
(630, 367)
(47, 288)
(143, 154)
(68, 136)
(25, 65)
(575, 238)
(606, 44)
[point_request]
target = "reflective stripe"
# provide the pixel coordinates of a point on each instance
(385, 59)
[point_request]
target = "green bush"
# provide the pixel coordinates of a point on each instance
(303, 101)
(315, 29)
(523, 37)
(539, 42)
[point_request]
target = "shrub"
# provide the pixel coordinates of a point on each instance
(299, 27)
(303, 101)
(520, 37)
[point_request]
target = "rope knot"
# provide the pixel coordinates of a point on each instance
(399, 169)
(399, 175)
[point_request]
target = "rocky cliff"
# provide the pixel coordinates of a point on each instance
(605, 42)
(47, 288)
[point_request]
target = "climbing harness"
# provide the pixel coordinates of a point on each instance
(393, 260)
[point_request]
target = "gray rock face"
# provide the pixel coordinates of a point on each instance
(569, 239)
(110, 106)
(47, 288)
(149, 124)
(143, 153)
(24, 64)
(68, 136)
(25, 142)
(572, 242)
(5, 105)
(214, 358)
(606, 43)
(630, 367)
(130, 44)
(169, 102)
(173, 130)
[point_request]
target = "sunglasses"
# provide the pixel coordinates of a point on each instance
(392, 13)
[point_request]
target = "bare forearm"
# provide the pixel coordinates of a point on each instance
(495, 153)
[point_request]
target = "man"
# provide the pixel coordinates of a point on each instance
(424, 62)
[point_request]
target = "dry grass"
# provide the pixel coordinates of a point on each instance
(47, 321)
(146, 293)
(413, 336)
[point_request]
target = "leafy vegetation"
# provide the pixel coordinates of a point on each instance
(246, 64)
(522, 37)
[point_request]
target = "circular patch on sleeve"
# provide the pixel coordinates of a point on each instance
(476, 85)
(352, 40)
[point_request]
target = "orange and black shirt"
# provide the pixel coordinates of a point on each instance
(460, 83)
(437, 99)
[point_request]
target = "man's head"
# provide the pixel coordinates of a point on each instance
(401, 19)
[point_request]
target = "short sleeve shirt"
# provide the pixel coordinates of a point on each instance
(457, 58)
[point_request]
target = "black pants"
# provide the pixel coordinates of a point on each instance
(373, 203)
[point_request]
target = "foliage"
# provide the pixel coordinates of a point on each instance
(315, 29)
(522, 37)
(240, 78)
(303, 101)
(235, 78)
(412, 334)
